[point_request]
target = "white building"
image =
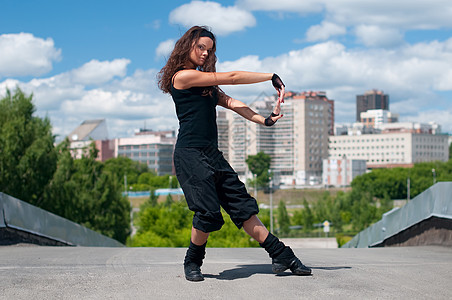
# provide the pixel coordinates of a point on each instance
(377, 117)
(155, 149)
(341, 172)
(390, 149)
(414, 127)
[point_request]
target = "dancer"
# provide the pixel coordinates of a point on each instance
(207, 179)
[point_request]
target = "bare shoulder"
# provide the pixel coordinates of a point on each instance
(183, 78)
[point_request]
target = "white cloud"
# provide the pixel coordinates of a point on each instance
(374, 36)
(298, 6)
(411, 74)
(324, 31)
(376, 23)
(127, 103)
(97, 72)
(164, 48)
(402, 14)
(223, 20)
(156, 24)
(407, 76)
(24, 54)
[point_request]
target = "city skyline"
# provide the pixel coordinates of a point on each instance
(99, 59)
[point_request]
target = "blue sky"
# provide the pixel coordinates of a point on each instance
(98, 59)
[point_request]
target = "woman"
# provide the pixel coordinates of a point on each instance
(205, 176)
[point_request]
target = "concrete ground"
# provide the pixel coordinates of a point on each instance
(34, 272)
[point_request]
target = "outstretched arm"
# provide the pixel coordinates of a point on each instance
(186, 79)
(189, 78)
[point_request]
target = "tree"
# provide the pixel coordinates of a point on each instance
(283, 218)
(450, 151)
(85, 192)
(125, 167)
(259, 165)
(27, 155)
(304, 217)
(163, 226)
(152, 201)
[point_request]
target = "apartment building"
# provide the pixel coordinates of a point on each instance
(390, 149)
(297, 143)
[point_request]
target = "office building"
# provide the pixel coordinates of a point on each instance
(391, 149)
(371, 100)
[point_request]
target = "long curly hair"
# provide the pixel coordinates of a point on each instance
(181, 54)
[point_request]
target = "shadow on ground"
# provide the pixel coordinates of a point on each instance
(245, 271)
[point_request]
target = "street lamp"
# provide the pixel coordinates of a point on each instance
(434, 176)
(255, 186)
(271, 202)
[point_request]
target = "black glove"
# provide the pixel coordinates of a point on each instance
(268, 120)
(277, 82)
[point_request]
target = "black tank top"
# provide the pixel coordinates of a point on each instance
(197, 117)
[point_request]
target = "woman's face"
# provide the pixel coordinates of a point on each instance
(200, 51)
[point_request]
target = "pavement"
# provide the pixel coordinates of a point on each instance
(37, 272)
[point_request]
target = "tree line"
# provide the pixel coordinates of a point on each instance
(84, 190)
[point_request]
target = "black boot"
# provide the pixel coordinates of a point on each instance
(287, 260)
(283, 257)
(193, 272)
(193, 262)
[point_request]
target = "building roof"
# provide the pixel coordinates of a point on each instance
(84, 131)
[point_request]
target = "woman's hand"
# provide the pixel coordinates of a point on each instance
(279, 86)
(276, 114)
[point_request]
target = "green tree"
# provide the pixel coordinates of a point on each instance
(163, 226)
(152, 201)
(85, 192)
(27, 155)
(259, 165)
(125, 168)
(450, 151)
(230, 237)
(304, 217)
(283, 218)
(169, 200)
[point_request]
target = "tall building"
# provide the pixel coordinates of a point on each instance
(297, 143)
(371, 100)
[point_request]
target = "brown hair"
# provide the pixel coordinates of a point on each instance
(180, 55)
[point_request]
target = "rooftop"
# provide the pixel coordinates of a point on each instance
(36, 272)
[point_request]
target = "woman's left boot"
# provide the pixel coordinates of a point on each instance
(193, 262)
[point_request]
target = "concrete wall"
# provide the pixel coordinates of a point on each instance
(433, 206)
(22, 222)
